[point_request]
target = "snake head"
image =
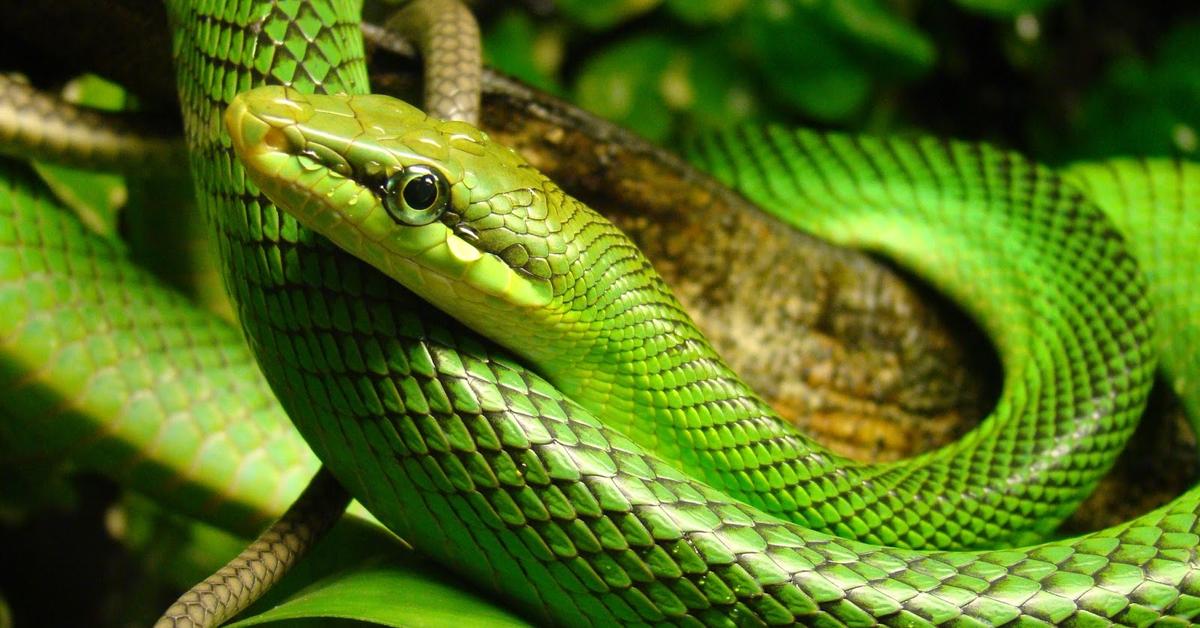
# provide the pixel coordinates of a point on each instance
(464, 222)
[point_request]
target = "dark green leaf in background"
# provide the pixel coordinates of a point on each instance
(94, 196)
(599, 14)
(705, 11)
(1006, 8)
(624, 83)
(1144, 106)
(722, 94)
(823, 58)
(879, 38)
(516, 46)
(804, 63)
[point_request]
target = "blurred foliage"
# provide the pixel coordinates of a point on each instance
(710, 63)
(1145, 105)
(96, 197)
(1059, 79)
(1005, 8)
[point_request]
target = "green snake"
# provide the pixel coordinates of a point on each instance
(506, 252)
(455, 446)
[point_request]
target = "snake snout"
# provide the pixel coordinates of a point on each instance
(257, 120)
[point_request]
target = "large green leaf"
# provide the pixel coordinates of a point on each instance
(721, 94)
(390, 592)
(822, 58)
(805, 64)
(661, 86)
(880, 38)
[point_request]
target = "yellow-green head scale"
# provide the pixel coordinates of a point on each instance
(463, 221)
(412, 194)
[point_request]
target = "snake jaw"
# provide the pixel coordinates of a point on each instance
(300, 175)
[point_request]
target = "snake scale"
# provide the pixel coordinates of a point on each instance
(487, 467)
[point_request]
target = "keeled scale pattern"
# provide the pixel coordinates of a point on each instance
(1042, 269)
(1035, 263)
(250, 574)
(544, 497)
(446, 33)
(491, 470)
(103, 366)
(1156, 204)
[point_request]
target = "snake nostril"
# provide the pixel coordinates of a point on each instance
(275, 139)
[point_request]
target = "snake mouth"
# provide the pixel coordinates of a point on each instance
(431, 259)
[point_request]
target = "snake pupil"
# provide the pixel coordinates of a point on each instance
(421, 192)
(416, 195)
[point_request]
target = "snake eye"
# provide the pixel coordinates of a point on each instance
(416, 195)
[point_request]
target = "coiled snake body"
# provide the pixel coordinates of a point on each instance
(485, 465)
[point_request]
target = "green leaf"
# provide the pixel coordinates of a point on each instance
(624, 83)
(94, 196)
(359, 571)
(1142, 107)
(1006, 8)
(390, 593)
(881, 37)
(722, 94)
(705, 11)
(823, 57)
(601, 14)
(805, 63)
(514, 45)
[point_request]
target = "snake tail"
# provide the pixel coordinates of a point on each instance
(447, 36)
(36, 125)
(253, 572)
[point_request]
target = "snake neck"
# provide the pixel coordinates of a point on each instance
(246, 223)
(615, 339)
